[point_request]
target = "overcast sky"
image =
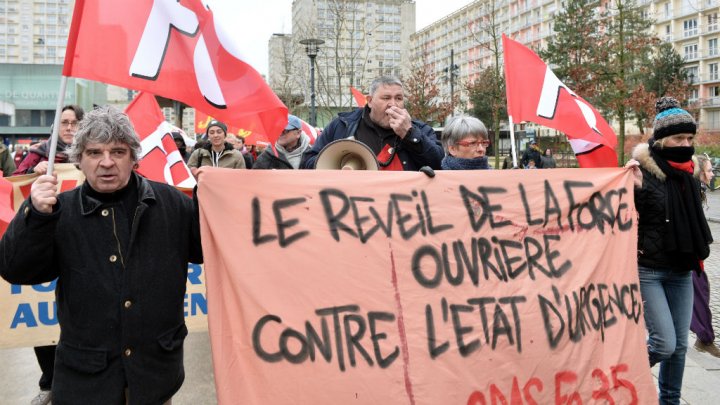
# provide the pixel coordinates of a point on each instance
(256, 21)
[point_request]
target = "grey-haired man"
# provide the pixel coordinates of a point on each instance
(119, 246)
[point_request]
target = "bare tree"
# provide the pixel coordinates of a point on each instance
(287, 78)
(487, 31)
(423, 94)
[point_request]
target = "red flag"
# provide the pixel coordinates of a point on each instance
(309, 130)
(160, 159)
(360, 98)
(6, 204)
(255, 138)
(173, 49)
(535, 94)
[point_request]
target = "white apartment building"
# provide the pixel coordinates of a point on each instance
(363, 40)
(690, 25)
(33, 38)
(34, 31)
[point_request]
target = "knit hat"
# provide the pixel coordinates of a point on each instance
(215, 123)
(671, 119)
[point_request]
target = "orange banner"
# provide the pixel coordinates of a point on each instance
(468, 288)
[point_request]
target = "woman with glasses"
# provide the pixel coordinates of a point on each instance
(701, 323)
(36, 159)
(673, 237)
(465, 140)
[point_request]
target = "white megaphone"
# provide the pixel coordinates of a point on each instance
(346, 154)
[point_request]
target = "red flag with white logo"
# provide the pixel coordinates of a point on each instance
(174, 49)
(535, 94)
(160, 159)
(360, 99)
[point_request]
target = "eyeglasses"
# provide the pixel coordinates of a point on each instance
(473, 144)
(71, 124)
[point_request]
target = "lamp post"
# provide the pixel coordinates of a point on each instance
(312, 47)
(452, 72)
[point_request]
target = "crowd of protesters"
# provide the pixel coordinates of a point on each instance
(674, 235)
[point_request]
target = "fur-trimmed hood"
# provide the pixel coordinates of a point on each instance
(641, 153)
(696, 168)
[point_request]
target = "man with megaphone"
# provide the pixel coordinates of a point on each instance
(386, 128)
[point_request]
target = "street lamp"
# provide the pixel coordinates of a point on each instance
(452, 72)
(312, 47)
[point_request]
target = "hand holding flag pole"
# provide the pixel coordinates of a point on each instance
(56, 125)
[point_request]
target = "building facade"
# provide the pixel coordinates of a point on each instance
(33, 38)
(34, 31)
(690, 25)
(362, 40)
(693, 28)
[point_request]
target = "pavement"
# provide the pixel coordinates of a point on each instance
(701, 382)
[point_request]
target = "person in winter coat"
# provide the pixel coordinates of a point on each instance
(291, 145)
(119, 246)
(673, 237)
(533, 153)
(181, 146)
(701, 323)
(385, 126)
(36, 159)
(548, 161)
(7, 164)
(216, 152)
(465, 140)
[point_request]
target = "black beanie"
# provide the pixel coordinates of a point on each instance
(215, 123)
(671, 119)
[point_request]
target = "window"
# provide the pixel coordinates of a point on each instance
(691, 52)
(692, 74)
(713, 71)
(714, 91)
(712, 22)
(690, 27)
(713, 120)
(668, 33)
(713, 47)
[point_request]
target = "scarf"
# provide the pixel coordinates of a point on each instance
(452, 163)
(60, 156)
(295, 156)
(687, 235)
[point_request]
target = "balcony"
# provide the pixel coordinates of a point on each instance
(693, 32)
(685, 11)
(711, 102)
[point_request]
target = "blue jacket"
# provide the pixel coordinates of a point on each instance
(346, 124)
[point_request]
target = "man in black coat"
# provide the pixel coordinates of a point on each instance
(119, 246)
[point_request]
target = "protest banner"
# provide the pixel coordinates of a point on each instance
(28, 314)
(480, 287)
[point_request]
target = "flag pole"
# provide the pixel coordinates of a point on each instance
(56, 125)
(512, 141)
